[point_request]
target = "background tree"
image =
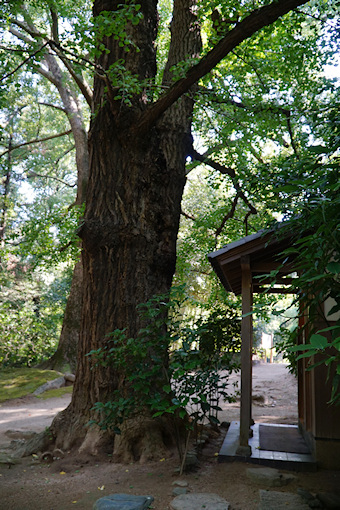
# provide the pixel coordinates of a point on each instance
(32, 34)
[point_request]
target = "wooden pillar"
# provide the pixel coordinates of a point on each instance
(246, 351)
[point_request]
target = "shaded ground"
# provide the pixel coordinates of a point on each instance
(76, 482)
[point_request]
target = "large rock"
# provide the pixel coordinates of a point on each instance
(70, 378)
(123, 502)
(200, 500)
(269, 476)
(50, 385)
(273, 500)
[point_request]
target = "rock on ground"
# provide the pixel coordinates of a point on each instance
(205, 500)
(273, 500)
(123, 502)
(269, 476)
(50, 385)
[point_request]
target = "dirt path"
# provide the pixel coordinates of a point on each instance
(28, 414)
(76, 482)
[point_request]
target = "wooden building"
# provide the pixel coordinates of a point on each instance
(242, 267)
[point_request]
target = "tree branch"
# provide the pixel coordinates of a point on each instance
(64, 133)
(226, 171)
(56, 47)
(46, 74)
(257, 20)
(186, 215)
(228, 216)
(195, 162)
(31, 173)
(23, 62)
(83, 86)
(50, 105)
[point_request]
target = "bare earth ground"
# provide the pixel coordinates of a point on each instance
(78, 481)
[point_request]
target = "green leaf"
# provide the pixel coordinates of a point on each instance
(333, 267)
(318, 341)
(307, 354)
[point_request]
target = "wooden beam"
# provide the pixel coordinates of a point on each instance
(285, 280)
(246, 351)
(263, 266)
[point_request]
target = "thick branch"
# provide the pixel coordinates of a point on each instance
(257, 20)
(29, 30)
(46, 74)
(194, 163)
(55, 46)
(83, 86)
(226, 171)
(217, 166)
(31, 142)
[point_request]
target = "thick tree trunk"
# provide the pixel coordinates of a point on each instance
(129, 236)
(129, 251)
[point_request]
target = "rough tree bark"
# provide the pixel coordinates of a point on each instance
(129, 232)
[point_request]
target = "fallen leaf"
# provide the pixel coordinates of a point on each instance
(101, 488)
(62, 473)
(161, 460)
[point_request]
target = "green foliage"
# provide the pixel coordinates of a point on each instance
(126, 83)
(315, 225)
(286, 339)
(114, 23)
(326, 351)
(30, 315)
(191, 381)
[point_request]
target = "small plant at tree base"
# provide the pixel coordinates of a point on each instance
(192, 380)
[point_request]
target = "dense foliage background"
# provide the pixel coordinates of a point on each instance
(266, 120)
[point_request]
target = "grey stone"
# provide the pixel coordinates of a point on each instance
(269, 476)
(50, 385)
(70, 377)
(123, 502)
(180, 483)
(191, 460)
(329, 500)
(179, 490)
(200, 442)
(199, 501)
(273, 500)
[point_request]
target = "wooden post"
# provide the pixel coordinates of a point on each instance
(246, 352)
